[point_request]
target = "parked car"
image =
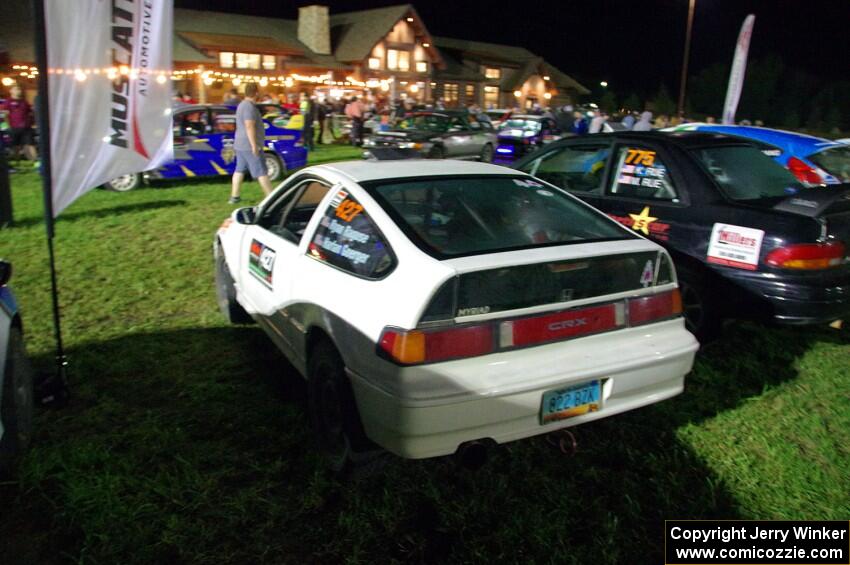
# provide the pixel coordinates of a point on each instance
(203, 146)
(435, 304)
(813, 160)
(434, 135)
(747, 238)
(521, 134)
(499, 115)
(16, 378)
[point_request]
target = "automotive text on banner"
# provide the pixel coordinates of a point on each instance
(109, 68)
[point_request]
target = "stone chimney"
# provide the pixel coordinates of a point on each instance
(314, 28)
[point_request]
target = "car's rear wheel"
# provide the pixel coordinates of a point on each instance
(437, 153)
(17, 402)
(703, 317)
(274, 166)
(124, 183)
(226, 294)
(486, 154)
(333, 410)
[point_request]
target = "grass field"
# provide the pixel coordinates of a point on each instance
(187, 440)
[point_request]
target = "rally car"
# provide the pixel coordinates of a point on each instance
(436, 304)
(16, 378)
(813, 160)
(203, 146)
(521, 134)
(434, 135)
(748, 239)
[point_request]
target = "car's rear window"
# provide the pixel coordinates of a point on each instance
(468, 215)
(835, 161)
(745, 173)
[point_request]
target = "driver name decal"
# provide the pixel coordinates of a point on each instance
(261, 262)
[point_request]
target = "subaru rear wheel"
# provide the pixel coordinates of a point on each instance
(274, 166)
(124, 183)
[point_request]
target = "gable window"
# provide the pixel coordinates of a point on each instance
(493, 72)
(269, 62)
(398, 60)
(421, 66)
(374, 63)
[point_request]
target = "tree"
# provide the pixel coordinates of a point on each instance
(608, 102)
(632, 103)
(663, 103)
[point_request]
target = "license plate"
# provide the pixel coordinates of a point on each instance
(569, 402)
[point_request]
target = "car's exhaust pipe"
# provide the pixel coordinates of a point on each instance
(563, 440)
(472, 455)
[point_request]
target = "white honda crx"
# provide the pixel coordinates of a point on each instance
(430, 304)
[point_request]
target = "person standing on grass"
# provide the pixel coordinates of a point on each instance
(248, 144)
(21, 119)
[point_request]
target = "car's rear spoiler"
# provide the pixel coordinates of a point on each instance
(816, 202)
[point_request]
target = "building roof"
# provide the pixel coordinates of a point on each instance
(244, 32)
(497, 54)
(354, 34)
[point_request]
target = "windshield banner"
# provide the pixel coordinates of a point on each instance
(109, 70)
(739, 69)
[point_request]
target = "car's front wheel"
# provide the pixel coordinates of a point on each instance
(437, 152)
(226, 293)
(274, 166)
(17, 402)
(333, 410)
(124, 183)
(486, 155)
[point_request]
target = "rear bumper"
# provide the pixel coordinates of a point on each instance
(814, 299)
(499, 396)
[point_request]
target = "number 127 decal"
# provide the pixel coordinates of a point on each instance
(261, 262)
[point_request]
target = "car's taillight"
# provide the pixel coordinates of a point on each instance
(652, 308)
(412, 347)
(804, 172)
(423, 346)
(807, 256)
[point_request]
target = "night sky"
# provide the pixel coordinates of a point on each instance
(634, 45)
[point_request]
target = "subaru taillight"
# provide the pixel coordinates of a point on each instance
(803, 172)
(807, 256)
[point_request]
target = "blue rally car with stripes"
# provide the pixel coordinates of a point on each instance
(815, 161)
(203, 147)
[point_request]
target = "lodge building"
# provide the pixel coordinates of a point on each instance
(385, 52)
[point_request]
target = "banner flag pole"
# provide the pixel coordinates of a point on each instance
(54, 388)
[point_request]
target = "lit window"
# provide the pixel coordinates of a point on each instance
(491, 96)
(493, 72)
(450, 91)
(225, 59)
(374, 63)
(421, 66)
(269, 62)
(470, 91)
(247, 61)
(398, 60)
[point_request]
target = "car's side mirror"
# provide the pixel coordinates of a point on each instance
(246, 216)
(5, 272)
